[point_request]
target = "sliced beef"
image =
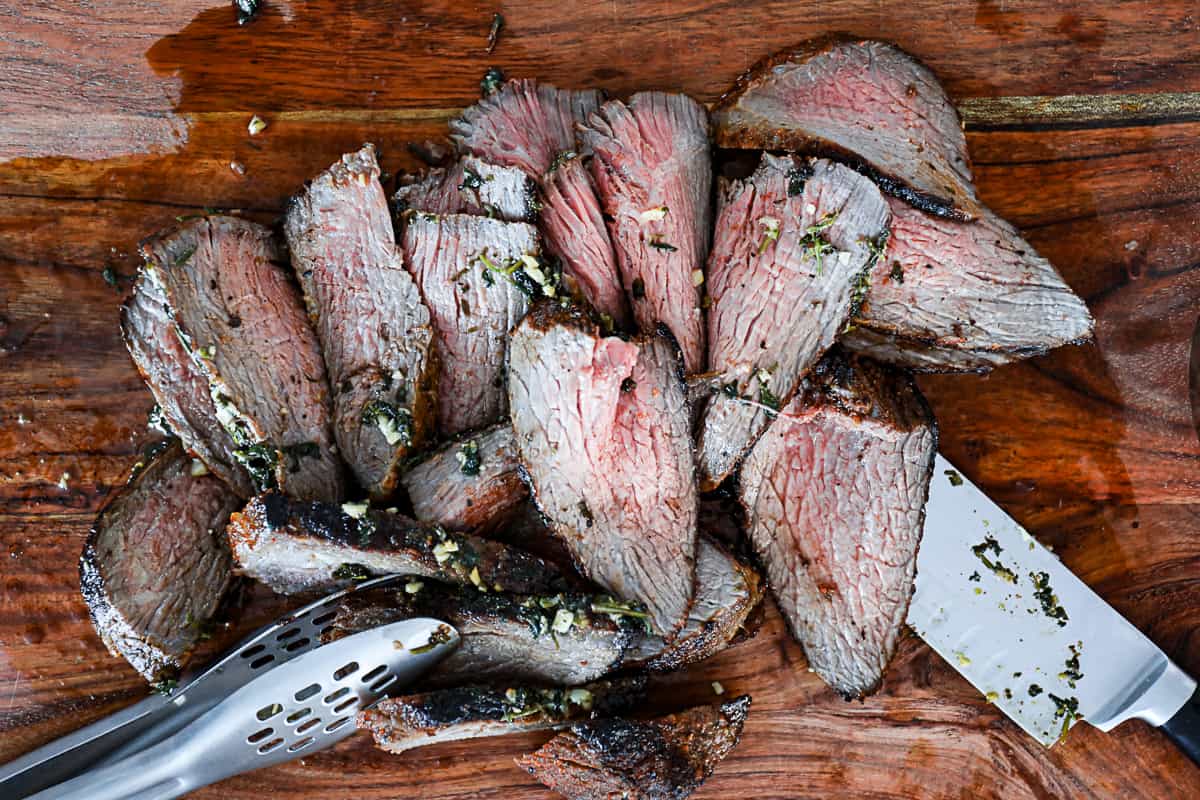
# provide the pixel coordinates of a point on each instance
(179, 386)
(654, 175)
(472, 186)
(863, 99)
(603, 432)
(473, 274)
(726, 592)
(531, 126)
(243, 326)
(155, 568)
(475, 712)
(792, 248)
(373, 327)
(953, 296)
(666, 758)
(473, 484)
(835, 495)
(562, 639)
(296, 547)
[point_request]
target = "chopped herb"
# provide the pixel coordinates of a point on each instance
(295, 452)
(962, 659)
(246, 10)
(1072, 674)
(992, 697)
(185, 256)
(1008, 695)
(586, 513)
(955, 478)
(617, 610)
(628, 385)
(491, 81)
(974, 576)
(730, 389)
(814, 243)
(771, 234)
(980, 550)
(659, 244)
(165, 686)
(1068, 710)
(858, 293)
(469, 461)
(638, 288)
(260, 461)
(1049, 601)
(795, 181)
(1035, 690)
(396, 424)
(531, 276)
(768, 398)
(494, 32)
(440, 636)
(256, 125)
(351, 572)
(875, 247)
(111, 278)
(471, 180)
(156, 421)
(897, 272)
(563, 157)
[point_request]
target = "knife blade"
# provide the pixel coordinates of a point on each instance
(1023, 629)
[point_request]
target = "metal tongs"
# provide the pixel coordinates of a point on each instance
(278, 695)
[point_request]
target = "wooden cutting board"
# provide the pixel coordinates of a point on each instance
(1084, 124)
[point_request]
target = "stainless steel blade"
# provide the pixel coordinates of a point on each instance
(1023, 629)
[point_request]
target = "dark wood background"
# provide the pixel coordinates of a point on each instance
(1084, 123)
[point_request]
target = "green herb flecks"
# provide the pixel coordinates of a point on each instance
(768, 399)
(974, 576)
(532, 276)
(468, 458)
(796, 179)
(658, 244)
(586, 513)
(472, 180)
(185, 256)
(628, 385)
(111, 278)
(617, 611)
(1047, 598)
(1072, 673)
(897, 273)
(955, 478)
(563, 157)
(1035, 690)
(260, 460)
(396, 424)
(351, 572)
(494, 32)
(440, 636)
(813, 243)
(165, 686)
(980, 550)
(638, 288)
(770, 233)
(730, 390)
(491, 82)
(1066, 709)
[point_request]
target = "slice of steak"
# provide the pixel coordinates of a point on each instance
(603, 431)
(294, 546)
(244, 327)
(575, 231)
(863, 99)
(375, 331)
(951, 296)
(654, 175)
(475, 712)
(461, 263)
(471, 186)
(726, 592)
(531, 126)
(792, 248)
(154, 568)
(835, 495)
(473, 484)
(179, 386)
(561, 639)
(666, 758)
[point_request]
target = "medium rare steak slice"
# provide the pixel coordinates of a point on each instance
(154, 569)
(475, 276)
(666, 758)
(531, 126)
(373, 327)
(473, 484)
(603, 431)
(864, 99)
(472, 186)
(792, 247)
(726, 592)
(562, 639)
(654, 175)
(475, 712)
(835, 495)
(178, 385)
(297, 547)
(951, 296)
(243, 325)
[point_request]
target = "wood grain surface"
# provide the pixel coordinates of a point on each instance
(1084, 124)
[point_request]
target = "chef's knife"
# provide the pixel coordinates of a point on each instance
(1025, 631)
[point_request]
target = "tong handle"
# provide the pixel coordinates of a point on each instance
(158, 773)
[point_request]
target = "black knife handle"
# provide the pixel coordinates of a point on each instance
(1184, 728)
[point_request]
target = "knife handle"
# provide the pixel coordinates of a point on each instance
(1184, 728)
